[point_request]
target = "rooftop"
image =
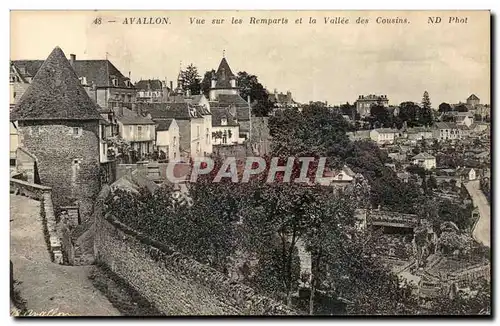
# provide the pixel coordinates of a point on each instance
(55, 94)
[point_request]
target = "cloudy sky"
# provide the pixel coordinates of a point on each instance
(319, 61)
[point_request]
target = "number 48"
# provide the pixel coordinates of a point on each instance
(97, 21)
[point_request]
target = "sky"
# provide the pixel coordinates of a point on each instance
(316, 62)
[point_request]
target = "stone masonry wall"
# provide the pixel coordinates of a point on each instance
(56, 149)
(43, 194)
(174, 283)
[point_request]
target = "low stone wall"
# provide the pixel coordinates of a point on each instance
(44, 195)
(174, 283)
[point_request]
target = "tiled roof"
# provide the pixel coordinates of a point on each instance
(98, 72)
(130, 117)
(178, 111)
(445, 125)
(149, 84)
(386, 130)
(220, 113)
(164, 125)
(423, 156)
(223, 75)
(55, 94)
(192, 99)
(227, 100)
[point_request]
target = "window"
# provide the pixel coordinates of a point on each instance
(131, 130)
(175, 141)
(139, 131)
(14, 94)
(223, 122)
(77, 131)
(114, 81)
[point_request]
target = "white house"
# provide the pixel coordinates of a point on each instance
(425, 160)
(464, 119)
(383, 135)
(340, 177)
(466, 174)
(139, 131)
(225, 128)
(167, 138)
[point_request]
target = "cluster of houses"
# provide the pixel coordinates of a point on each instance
(441, 131)
(151, 117)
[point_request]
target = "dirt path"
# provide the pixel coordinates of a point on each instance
(45, 285)
(482, 230)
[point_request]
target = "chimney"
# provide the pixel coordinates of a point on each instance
(171, 85)
(72, 59)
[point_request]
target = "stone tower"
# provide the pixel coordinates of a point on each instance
(224, 82)
(59, 125)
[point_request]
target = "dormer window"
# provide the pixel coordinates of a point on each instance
(83, 80)
(128, 83)
(223, 122)
(114, 81)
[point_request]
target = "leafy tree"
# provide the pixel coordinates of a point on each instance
(316, 132)
(206, 82)
(410, 113)
(192, 79)
(475, 302)
(445, 107)
(380, 114)
(249, 85)
(461, 108)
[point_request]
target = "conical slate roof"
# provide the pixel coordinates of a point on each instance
(55, 94)
(224, 75)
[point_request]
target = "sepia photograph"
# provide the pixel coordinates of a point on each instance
(250, 163)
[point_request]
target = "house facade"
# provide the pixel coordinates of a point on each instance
(137, 130)
(167, 138)
(464, 119)
(419, 133)
(365, 102)
(225, 128)
(152, 90)
(383, 135)
(425, 160)
(59, 125)
(446, 131)
(191, 123)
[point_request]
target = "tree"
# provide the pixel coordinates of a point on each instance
(249, 85)
(409, 112)
(191, 79)
(316, 132)
(380, 114)
(206, 82)
(331, 221)
(426, 116)
(461, 108)
(445, 107)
